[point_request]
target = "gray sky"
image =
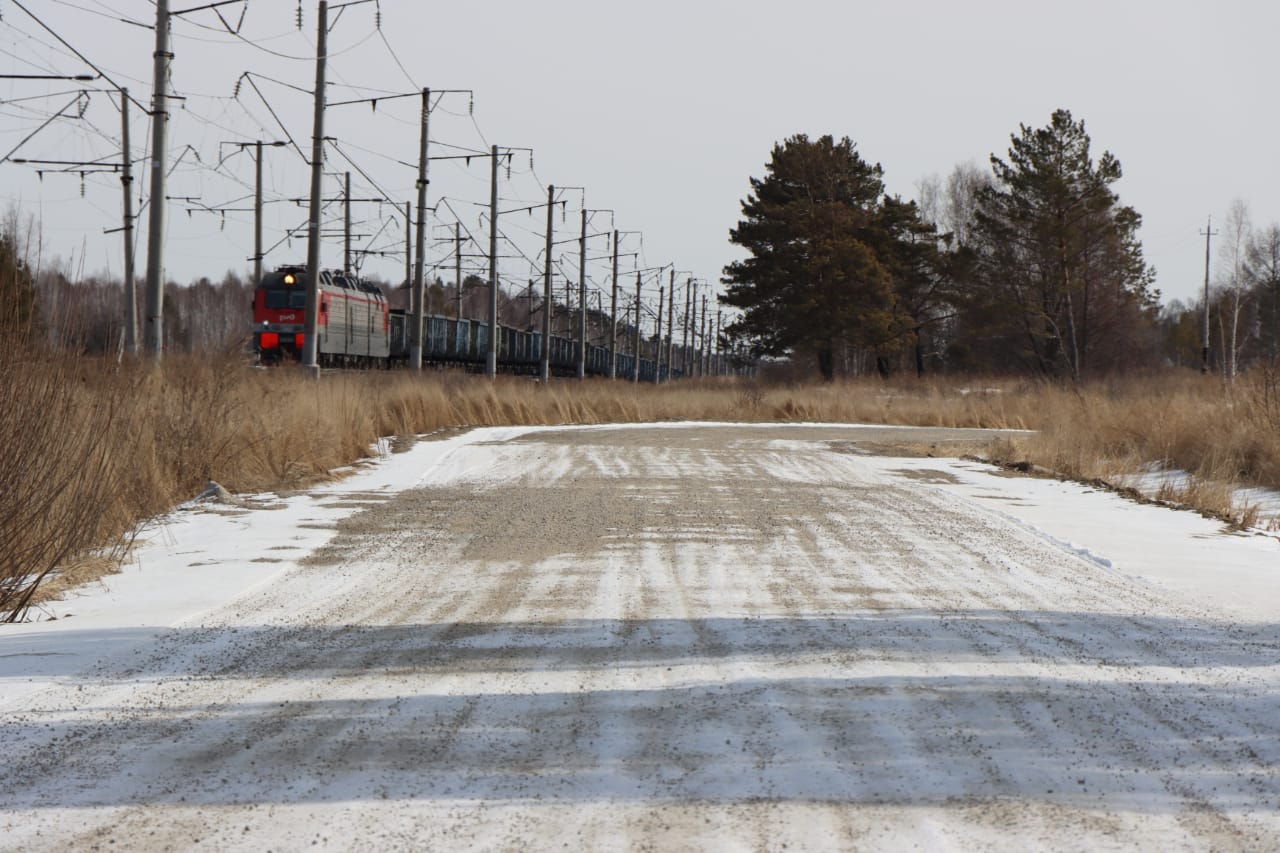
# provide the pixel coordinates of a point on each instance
(662, 111)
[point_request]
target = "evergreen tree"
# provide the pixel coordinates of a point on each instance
(17, 289)
(1062, 284)
(812, 281)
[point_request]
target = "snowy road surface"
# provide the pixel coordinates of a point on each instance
(659, 638)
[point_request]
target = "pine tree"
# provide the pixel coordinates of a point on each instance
(17, 288)
(1061, 277)
(812, 281)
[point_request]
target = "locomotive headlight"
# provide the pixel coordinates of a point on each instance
(288, 278)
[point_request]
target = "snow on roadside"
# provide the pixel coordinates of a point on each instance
(202, 556)
(1197, 559)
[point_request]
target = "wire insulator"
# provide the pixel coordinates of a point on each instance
(299, 15)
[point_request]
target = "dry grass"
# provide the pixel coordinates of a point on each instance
(92, 448)
(1221, 436)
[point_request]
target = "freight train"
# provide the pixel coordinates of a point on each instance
(357, 327)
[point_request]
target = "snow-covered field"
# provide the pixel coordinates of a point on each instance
(658, 637)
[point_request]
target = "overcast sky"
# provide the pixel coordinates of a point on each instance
(661, 111)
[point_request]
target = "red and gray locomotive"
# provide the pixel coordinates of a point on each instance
(354, 326)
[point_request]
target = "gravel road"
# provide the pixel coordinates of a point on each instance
(669, 638)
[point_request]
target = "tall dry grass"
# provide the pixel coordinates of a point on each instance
(1219, 436)
(93, 447)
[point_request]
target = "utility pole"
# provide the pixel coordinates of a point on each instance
(657, 330)
(257, 213)
(491, 356)
(130, 282)
(544, 368)
(1204, 339)
(704, 351)
(684, 343)
(582, 298)
(159, 142)
(310, 347)
(671, 317)
(408, 243)
(457, 266)
(635, 370)
(613, 313)
(719, 321)
(346, 223)
(416, 297)
(694, 343)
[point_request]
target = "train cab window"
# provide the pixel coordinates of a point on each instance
(292, 298)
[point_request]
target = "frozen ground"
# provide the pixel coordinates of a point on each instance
(659, 637)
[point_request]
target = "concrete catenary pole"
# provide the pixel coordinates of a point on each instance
(159, 143)
(310, 346)
(705, 350)
(420, 244)
(657, 332)
(695, 351)
(408, 243)
(257, 213)
(544, 366)
(684, 341)
(671, 317)
(635, 370)
(346, 223)
(457, 267)
(130, 280)
(719, 354)
(613, 313)
(491, 355)
(582, 298)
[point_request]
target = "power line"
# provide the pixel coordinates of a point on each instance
(82, 57)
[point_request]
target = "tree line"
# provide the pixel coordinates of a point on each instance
(1033, 266)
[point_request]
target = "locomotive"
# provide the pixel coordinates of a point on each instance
(358, 328)
(353, 329)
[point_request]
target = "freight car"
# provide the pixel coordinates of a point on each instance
(357, 328)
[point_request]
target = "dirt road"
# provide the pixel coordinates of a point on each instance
(669, 638)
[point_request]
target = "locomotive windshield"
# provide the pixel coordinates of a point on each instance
(292, 298)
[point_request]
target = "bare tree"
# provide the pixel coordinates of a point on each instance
(1234, 283)
(1262, 259)
(960, 200)
(930, 198)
